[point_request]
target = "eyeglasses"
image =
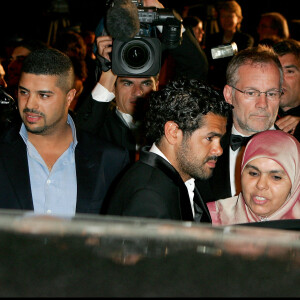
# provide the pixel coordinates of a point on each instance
(253, 94)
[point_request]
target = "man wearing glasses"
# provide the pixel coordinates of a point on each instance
(254, 87)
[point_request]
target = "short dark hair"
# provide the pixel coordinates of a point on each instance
(191, 21)
(183, 101)
(262, 54)
(288, 46)
(31, 44)
(50, 61)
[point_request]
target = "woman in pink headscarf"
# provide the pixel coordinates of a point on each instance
(270, 178)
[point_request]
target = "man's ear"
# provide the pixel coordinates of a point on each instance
(227, 93)
(70, 96)
(172, 132)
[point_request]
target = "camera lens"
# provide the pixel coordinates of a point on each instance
(136, 54)
(139, 57)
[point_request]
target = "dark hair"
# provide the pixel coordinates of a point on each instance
(183, 101)
(31, 44)
(288, 46)
(51, 61)
(71, 43)
(191, 21)
(261, 54)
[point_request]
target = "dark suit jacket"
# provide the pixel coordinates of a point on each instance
(153, 188)
(190, 60)
(101, 120)
(98, 164)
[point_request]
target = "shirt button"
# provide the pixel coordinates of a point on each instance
(49, 211)
(48, 181)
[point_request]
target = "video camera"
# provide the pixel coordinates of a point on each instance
(139, 55)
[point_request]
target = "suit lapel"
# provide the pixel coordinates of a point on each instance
(220, 181)
(199, 201)
(14, 157)
(156, 161)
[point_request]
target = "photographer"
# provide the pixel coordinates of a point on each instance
(108, 111)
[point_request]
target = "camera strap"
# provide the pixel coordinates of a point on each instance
(103, 63)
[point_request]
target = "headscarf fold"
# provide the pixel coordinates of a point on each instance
(285, 150)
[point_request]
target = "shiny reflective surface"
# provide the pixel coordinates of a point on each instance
(132, 257)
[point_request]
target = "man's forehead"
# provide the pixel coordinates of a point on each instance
(136, 79)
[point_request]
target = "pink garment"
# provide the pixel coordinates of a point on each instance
(285, 150)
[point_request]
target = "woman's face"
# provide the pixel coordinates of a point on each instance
(265, 186)
(198, 32)
(228, 20)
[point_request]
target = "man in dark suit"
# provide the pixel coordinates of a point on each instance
(109, 110)
(288, 52)
(185, 122)
(46, 164)
(254, 87)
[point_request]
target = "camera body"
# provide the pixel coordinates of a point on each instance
(141, 55)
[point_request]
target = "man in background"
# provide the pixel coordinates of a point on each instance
(254, 87)
(289, 111)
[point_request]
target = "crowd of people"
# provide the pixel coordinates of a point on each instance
(206, 140)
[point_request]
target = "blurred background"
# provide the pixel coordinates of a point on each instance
(34, 18)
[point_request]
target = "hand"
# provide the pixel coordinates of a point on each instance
(104, 46)
(153, 3)
(288, 123)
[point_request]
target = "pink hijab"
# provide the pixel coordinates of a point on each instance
(285, 150)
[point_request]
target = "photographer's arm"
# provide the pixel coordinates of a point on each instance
(92, 114)
(107, 79)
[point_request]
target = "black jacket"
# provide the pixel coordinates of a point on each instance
(152, 188)
(98, 165)
(100, 119)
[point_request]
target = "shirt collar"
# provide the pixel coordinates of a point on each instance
(127, 118)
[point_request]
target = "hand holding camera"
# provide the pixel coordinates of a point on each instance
(104, 46)
(137, 46)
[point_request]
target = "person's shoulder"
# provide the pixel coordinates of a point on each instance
(92, 142)
(228, 202)
(9, 135)
(244, 36)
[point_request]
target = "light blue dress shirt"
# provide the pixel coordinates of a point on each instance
(53, 192)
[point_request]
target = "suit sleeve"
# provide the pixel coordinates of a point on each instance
(144, 203)
(91, 115)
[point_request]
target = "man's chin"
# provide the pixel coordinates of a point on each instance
(37, 130)
(205, 175)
